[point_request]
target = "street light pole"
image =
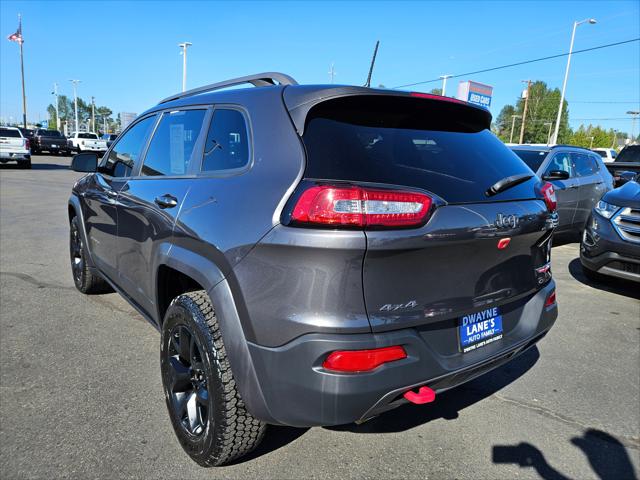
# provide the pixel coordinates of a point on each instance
(55, 93)
(513, 123)
(566, 76)
(591, 143)
(634, 116)
(184, 46)
(75, 101)
(444, 83)
(93, 114)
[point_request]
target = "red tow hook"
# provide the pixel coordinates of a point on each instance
(424, 395)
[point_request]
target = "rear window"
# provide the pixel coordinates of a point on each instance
(629, 154)
(533, 158)
(49, 133)
(603, 154)
(8, 132)
(430, 145)
(89, 136)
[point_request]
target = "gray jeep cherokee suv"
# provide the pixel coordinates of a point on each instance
(314, 255)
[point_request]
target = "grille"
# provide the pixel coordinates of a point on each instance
(627, 224)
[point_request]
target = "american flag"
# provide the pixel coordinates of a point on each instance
(17, 37)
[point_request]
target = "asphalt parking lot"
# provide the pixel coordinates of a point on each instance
(81, 396)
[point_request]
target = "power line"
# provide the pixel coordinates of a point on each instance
(522, 63)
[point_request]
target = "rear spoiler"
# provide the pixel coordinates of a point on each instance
(301, 99)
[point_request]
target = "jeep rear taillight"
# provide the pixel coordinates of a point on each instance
(549, 195)
(361, 207)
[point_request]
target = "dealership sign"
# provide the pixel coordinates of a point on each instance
(476, 93)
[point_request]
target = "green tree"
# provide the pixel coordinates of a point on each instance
(542, 108)
(592, 137)
(436, 91)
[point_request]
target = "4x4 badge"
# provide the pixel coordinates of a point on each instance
(507, 221)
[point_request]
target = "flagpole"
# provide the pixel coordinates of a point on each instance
(24, 97)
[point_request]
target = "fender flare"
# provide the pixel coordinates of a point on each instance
(74, 202)
(211, 277)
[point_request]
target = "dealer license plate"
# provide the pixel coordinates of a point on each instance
(479, 329)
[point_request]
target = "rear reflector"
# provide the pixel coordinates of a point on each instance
(362, 360)
(361, 207)
(549, 196)
(551, 299)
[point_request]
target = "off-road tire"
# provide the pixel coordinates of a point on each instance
(84, 278)
(229, 431)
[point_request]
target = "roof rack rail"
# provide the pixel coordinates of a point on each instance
(258, 80)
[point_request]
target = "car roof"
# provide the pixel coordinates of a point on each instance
(546, 148)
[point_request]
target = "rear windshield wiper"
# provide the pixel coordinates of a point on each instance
(506, 183)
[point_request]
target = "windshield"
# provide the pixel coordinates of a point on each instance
(49, 133)
(383, 140)
(629, 154)
(91, 136)
(8, 132)
(533, 158)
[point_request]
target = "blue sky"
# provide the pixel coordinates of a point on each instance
(126, 53)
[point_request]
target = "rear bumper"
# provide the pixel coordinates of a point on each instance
(602, 250)
(299, 392)
(15, 156)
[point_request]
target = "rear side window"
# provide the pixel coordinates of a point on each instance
(172, 145)
(128, 149)
(227, 144)
(430, 145)
(584, 164)
(7, 132)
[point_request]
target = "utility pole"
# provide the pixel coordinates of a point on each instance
(634, 116)
(524, 114)
(19, 39)
(591, 143)
(75, 102)
(513, 123)
(613, 142)
(373, 61)
(184, 46)
(566, 76)
(444, 83)
(55, 94)
(93, 114)
(332, 72)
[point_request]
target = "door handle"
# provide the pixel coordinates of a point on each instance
(574, 186)
(166, 201)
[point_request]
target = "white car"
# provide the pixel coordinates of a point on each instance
(607, 154)
(86, 142)
(14, 147)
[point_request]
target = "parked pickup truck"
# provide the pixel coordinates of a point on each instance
(51, 141)
(14, 147)
(86, 142)
(626, 165)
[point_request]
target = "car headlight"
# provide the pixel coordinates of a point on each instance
(606, 209)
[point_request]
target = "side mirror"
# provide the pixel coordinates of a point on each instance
(556, 175)
(84, 162)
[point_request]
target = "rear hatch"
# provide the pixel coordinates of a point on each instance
(12, 140)
(479, 252)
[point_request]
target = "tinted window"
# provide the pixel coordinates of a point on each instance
(404, 141)
(7, 132)
(227, 145)
(88, 136)
(629, 154)
(533, 158)
(601, 153)
(127, 150)
(561, 161)
(172, 145)
(49, 133)
(584, 164)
